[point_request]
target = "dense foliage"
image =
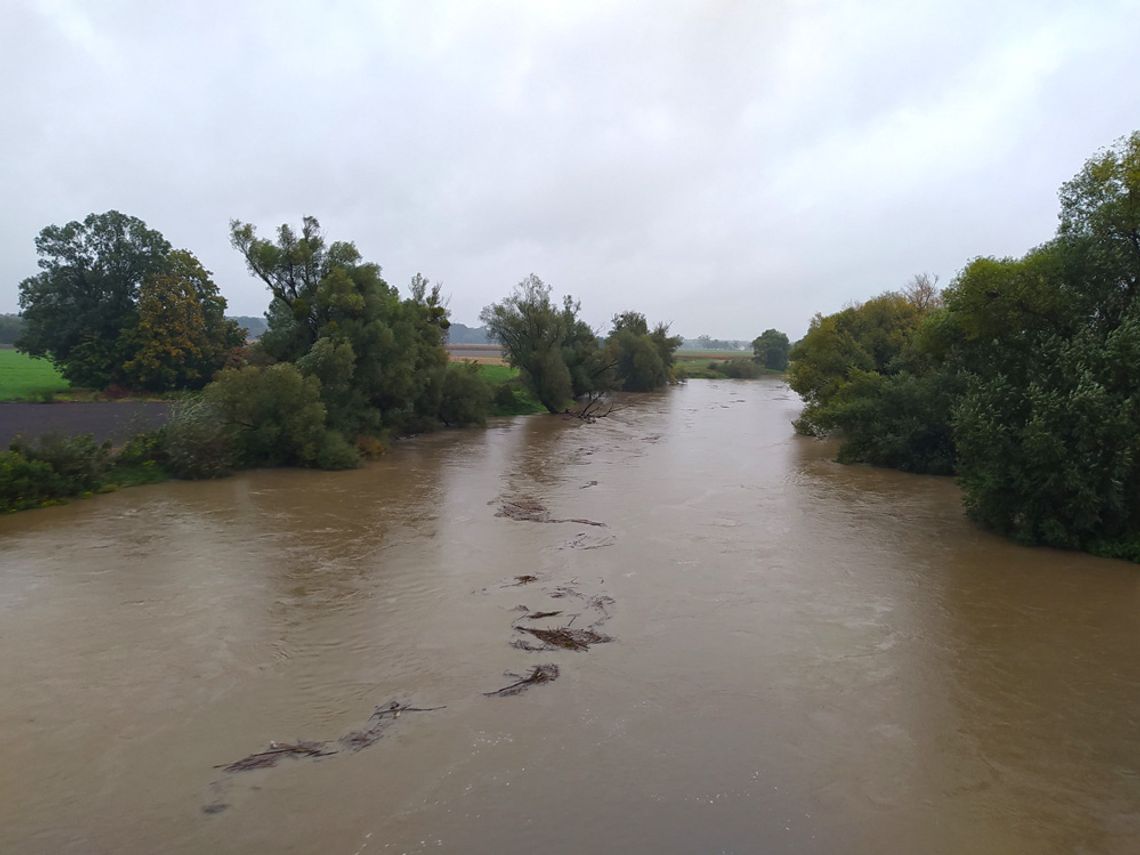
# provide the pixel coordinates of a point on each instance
(771, 349)
(83, 309)
(557, 354)
(1023, 376)
(642, 359)
(379, 357)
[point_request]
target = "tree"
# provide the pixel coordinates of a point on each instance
(1021, 376)
(11, 328)
(380, 358)
(642, 360)
(1048, 432)
(537, 338)
(181, 337)
(771, 349)
(922, 291)
(79, 306)
(872, 336)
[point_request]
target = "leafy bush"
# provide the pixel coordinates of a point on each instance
(273, 416)
(196, 442)
(740, 369)
(465, 395)
(77, 463)
(504, 397)
(336, 452)
(23, 483)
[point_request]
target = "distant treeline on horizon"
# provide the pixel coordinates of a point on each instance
(459, 333)
(11, 325)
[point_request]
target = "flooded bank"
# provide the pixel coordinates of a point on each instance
(800, 656)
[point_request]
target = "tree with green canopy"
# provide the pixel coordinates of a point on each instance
(557, 354)
(82, 306)
(182, 336)
(379, 357)
(771, 349)
(115, 304)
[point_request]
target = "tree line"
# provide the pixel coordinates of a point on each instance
(344, 360)
(1022, 377)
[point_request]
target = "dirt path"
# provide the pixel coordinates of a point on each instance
(116, 421)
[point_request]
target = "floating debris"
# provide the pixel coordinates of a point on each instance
(582, 540)
(381, 717)
(600, 601)
(540, 615)
(538, 674)
(531, 510)
(216, 807)
(567, 638)
(523, 580)
(353, 741)
(276, 750)
(524, 510)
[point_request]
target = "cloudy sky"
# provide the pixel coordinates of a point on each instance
(727, 166)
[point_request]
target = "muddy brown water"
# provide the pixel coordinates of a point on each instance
(806, 657)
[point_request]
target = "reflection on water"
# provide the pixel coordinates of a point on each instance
(807, 657)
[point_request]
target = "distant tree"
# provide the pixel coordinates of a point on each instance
(641, 360)
(534, 333)
(253, 327)
(922, 291)
(462, 334)
(79, 306)
(771, 349)
(181, 337)
(11, 328)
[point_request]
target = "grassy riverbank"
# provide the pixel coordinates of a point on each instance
(718, 365)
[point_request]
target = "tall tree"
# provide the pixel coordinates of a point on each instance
(85, 297)
(534, 332)
(642, 360)
(182, 336)
(380, 358)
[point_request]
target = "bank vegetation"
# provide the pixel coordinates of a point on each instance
(1022, 377)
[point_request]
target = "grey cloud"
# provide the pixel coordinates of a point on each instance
(727, 166)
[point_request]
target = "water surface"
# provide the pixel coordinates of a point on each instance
(807, 657)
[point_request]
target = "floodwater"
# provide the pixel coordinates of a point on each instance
(806, 657)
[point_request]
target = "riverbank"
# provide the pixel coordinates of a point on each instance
(60, 451)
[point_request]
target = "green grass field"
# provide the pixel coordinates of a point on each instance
(496, 375)
(23, 378)
(521, 403)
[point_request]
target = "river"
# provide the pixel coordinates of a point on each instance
(805, 657)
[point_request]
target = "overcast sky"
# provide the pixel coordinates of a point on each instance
(727, 166)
